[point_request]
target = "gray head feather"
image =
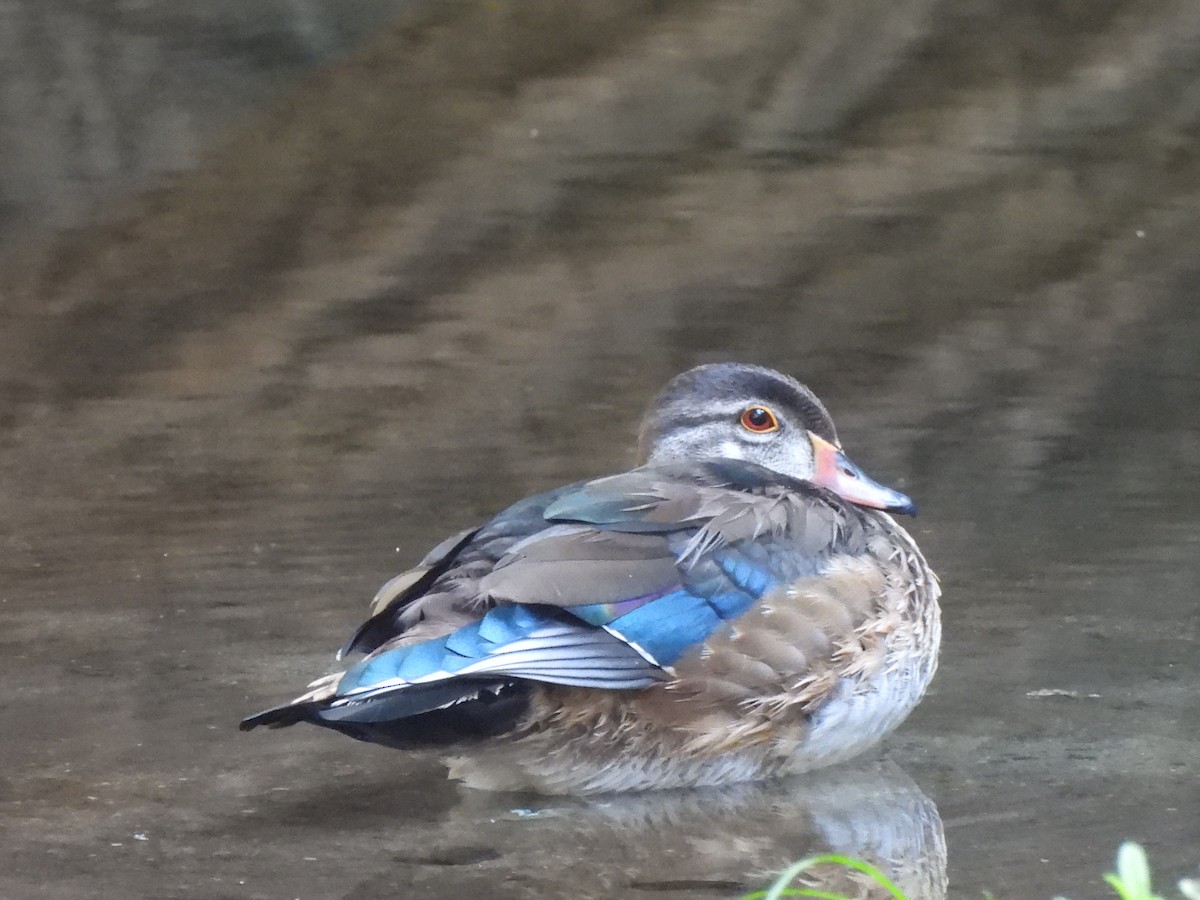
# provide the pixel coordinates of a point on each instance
(697, 417)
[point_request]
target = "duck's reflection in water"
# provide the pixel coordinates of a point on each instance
(716, 842)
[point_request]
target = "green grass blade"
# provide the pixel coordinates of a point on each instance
(1114, 881)
(781, 887)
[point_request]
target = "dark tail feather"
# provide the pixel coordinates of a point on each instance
(415, 716)
(282, 716)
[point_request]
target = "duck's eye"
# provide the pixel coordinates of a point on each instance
(759, 419)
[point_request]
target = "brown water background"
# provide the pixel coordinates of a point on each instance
(288, 295)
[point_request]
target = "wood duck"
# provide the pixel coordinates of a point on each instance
(739, 606)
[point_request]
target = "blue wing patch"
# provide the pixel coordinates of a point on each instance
(666, 623)
(748, 575)
(513, 641)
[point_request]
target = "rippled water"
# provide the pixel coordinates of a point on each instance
(138, 629)
(223, 428)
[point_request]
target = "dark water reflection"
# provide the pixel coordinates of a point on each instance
(223, 423)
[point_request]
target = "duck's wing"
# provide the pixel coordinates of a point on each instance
(651, 561)
(622, 577)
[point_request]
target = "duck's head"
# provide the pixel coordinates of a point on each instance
(738, 411)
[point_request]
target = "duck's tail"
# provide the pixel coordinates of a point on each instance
(409, 716)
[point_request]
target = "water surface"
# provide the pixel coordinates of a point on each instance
(233, 412)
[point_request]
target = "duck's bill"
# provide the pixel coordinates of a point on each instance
(834, 470)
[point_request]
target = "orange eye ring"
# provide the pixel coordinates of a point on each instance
(759, 420)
